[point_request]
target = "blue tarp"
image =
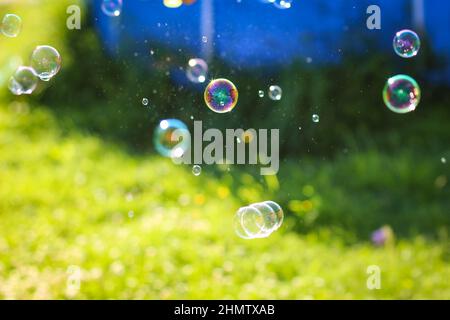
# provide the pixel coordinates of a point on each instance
(249, 33)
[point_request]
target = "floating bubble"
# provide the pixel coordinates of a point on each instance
(258, 220)
(275, 92)
(112, 8)
(196, 170)
(401, 94)
(204, 39)
(406, 43)
(443, 160)
(315, 118)
(171, 138)
(221, 95)
(145, 101)
(282, 4)
(197, 70)
(261, 94)
(278, 212)
(11, 25)
(46, 62)
(23, 81)
(173, 3)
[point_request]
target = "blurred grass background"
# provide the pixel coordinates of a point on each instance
(79, 184)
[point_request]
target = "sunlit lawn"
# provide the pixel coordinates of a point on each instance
(141, 227)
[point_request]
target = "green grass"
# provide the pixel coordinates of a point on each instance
(65, 199)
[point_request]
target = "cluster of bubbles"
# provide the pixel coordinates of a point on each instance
(177, 3)
(197, 70)
(171, 138)
(221, 95)
(112, 8)
(11, 25)
(45, 64)
(401, 93)
(275, 92)
(406, 43)
(280, 4)
(258, 220)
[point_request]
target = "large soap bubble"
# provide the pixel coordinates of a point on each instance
(11, 25)
(46, 61)
(221, 95)
(171, 138)
(23, 81)
(401, 94)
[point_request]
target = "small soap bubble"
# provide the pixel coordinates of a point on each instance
(261, 93)
(443, 160)
(112, 8)
(196, 170)
(258, 220)
(171, 138)
(221, 95)
(275, 92)
(130, 214)
(197, 70)
(204, 39)
(172, 3)
(145, 101)
(23, 81)
(315, 118)
(406, 43)
(11, 25)
(46, 62)
(401, 94)
(282, 4)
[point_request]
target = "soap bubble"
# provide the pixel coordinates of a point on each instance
(11, 25)
(315, 118)
(258, 220)
(261, 94)
(401, 94)
(278, 212)
(221, 95)
(282, 4)
(406, 43)
(171, 138)
(443, 160)
(112, 8)
(196, 170)
(46, 62)
(172, 3)
(275, 93)
(197, 70)
(145, 101)
(23, 81)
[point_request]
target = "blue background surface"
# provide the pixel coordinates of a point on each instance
(251, 34)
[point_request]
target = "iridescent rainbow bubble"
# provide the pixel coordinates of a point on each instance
(221, 95)
(171, 138)
(406, 43)
(401, 94)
